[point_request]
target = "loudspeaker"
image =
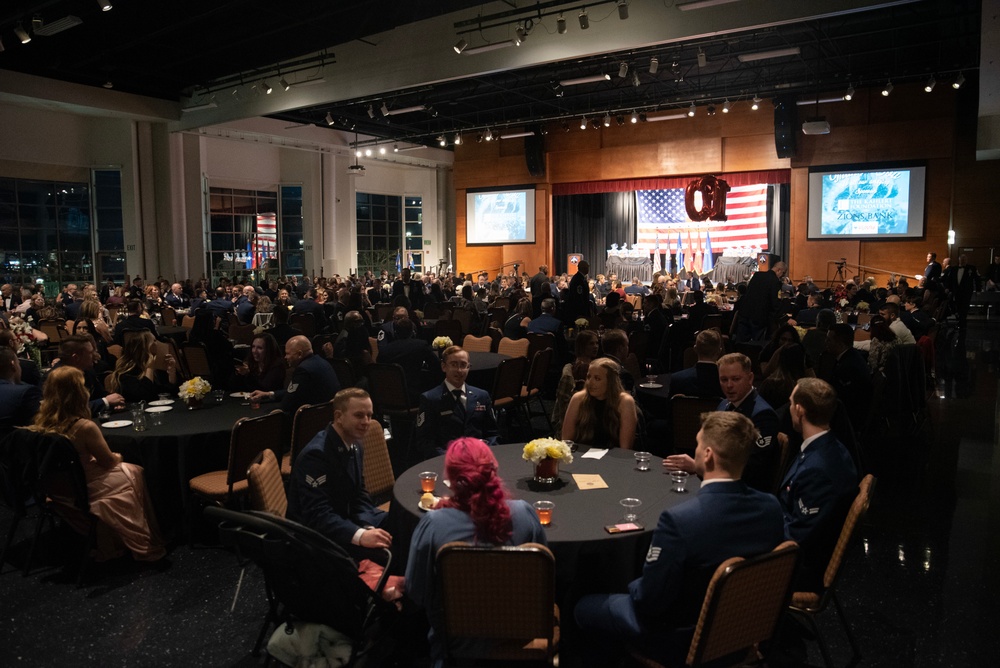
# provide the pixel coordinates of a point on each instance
(785, 126)
(534, 153)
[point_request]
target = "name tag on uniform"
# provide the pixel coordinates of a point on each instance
(480, 407)
(446, 413)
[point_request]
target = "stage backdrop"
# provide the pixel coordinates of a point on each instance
(589, 224)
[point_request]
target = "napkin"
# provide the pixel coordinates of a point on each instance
(594, 453)
(589, 481)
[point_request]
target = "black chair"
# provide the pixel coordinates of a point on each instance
(344, 371)
(506, 392)
(308, 578)
(391, 396)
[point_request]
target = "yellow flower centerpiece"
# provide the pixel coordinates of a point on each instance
(581, 323)
(545, 454)
(441, 342)
(193, 391)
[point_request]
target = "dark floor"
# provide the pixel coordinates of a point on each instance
(920, 586)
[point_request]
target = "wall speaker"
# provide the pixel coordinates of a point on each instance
(785, 126)
(534, 154)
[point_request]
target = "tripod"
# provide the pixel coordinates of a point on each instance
(840, 275)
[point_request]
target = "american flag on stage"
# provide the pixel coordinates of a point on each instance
(265, 241)
(662, 212)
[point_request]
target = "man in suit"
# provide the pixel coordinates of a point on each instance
(725, 519)
(736, 380)
(18, 401)
(547, 322)
(81, 352)
(963, 280)
(326, 491)
(132, 322)
(412, 290)
(7, 301)
(176, 298)
(454, 409)
(221, 307)
(701, 380)
(313, 379)
(759, 306)
(411, 353)
(816, 492)
(29, 370)
(308, 304)
(537, 293)
(932, 272)
(578, 300)
(850, 376)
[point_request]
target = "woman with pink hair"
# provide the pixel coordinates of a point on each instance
(480, 512)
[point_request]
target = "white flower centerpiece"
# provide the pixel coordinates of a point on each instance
(193, 391)
(441, 342)
(545, 454)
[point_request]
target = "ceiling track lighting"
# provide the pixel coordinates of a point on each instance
(622, 70)
(368, 153)
(635, 78)
(595, 78)
(442, 141)
(583, 123)
(620, 120)
(756, 103)
(458, 139)
(284, 84)
(371, 112)
(635, 117)
(711, 110)
(473, 50)
(37, 24)
(489, 135)
(702, 58)
(520, 34)
(403, 110)
(959, 80)
(607, 120)
(460, 45)
(329, 118)
(887, 88)
(105, 5)
(929, 86)
(107, 84)
(692, 110)
(654, 65)
(267, 87)
(384, 109)
(622, 9)
(515, 135)
(561, 24)
(765, 55)
(725, 106)
(395, 148)
(381, 150)
(584, 19)
(642, 116)
(849, 95)
(22, 34)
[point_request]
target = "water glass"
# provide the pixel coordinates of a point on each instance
(218, 396)
(139, 419)
(156, 419)
(163, 395)
(630, 504)
(571, 445)
(650, 375)
(642, 461)
(679, 480)
(544, 510)
(428, 479)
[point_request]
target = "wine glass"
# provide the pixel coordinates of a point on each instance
(630, 504)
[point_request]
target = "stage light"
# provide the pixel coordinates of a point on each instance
(607, 120)
(929, 86)
(583, 123)
(22, 34)
(584, 19)
(959, 80)
(329, 118)
(635, 117)
(561, 25)
(887, 88)
(692, 110)
(460, 45)
(622, 70)
(725, 106)
(654, 65)
(849, 95)
(371, 112)
(622, 9)
(458, 139)
(756, 103)
(267, 87)
(283, 84)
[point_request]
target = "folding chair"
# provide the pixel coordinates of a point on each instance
(196, 360)
(241, 334)
(532, 388)
(305, 322)
(344, 371)
(512, 613)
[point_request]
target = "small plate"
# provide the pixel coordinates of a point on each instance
(429, 510)
(240, 395)
(650, 386)
(159, 409)
(161, 402)
(116, 424)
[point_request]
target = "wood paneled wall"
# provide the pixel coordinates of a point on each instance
(908, 125)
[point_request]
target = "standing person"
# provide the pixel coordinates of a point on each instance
(962, 282)
(727, 518)
(313, 379)
(578, 301)
(454, 409)
(412, 290)
(479, 511)
(932, 272)
(117, 490)
(537, 284)
(758, 309)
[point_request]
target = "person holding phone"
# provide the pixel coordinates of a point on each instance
(264, 367)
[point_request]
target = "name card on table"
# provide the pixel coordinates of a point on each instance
(589, 481)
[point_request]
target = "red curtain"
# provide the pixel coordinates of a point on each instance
(771, 177)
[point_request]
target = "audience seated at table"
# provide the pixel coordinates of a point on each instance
(785, 335)
(701, 380)
(453, 409)
(30, 373)
(727, 518)
(419, 362)
(136, 376)
(117, 490)
(313, 379)
(850, 374)
(814, 340)
(574, 374)
(615, 345)
(516, 326)
(353, 343)
(80, 352)
(264, 368)
(790, 366)
(90, 321)
(133, 322)
(19, 401)
(478, 511)
(603, 414)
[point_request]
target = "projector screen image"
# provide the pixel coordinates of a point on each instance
(500, 217)
(867, 202)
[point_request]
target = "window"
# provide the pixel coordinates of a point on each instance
(380, 232)
(414, 229)
(110, 237)
(245, 237)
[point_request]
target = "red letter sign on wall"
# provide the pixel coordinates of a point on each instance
(713, 199)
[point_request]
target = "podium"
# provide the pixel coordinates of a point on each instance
(572, 262)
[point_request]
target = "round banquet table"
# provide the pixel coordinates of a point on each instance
(484, 369)
(189, 443)
(177, 333)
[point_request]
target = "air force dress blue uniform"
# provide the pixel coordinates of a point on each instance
(762, 468)
(442, 419)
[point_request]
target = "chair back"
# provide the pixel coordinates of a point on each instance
(858, 509)
(168, 316)
(634, 300)
(305, 322)
(864, 319)
(388, 388)
(744, 601)
(514, 348)
(383, 311)
(187, 322)
(685, 418)
(712, 321)
(196, 359)
(539, 341)
(450, 328)
(690, 357)
(373, 347)
(507, 381)
(502, 302)
(379, 479)
(464, 318)
(54, 329)
(344, 371)
(539, 367)
(163, 348)
(516, 603)
(308, 421)
(497, 316)
(267, 491)
(241, 334)
(115, 350)
(477, 343)
(862, 335)
(432, 310)
(496, 335)
(249, 438)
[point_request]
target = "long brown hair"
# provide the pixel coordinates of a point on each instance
(135, 355)
(64, 401)
(589, 418)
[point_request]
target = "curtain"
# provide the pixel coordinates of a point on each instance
(589, 224)
(778, 221)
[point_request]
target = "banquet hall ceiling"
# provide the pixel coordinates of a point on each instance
(212, 53)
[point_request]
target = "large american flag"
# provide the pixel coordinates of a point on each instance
(661, 213)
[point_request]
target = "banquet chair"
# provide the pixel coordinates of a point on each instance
(807, 605)
(115, 350)
(344, 371)
(496, 335)
(532, 388)
(685, 419)
(308, 421)
(391, 398)
(240, 333)
(308, 578)
(187, 322)
(196, 360)
(473, 343)
(742, 607)
(712, 321)
(512, 348)
(54, 329)
(540, 341)
(450, 328)
(267, 491)
(305, 322)
(463, 317)
(512, 611)
(379, 479)
(506, 392)
(862, 334)
(249, 437)
(168, 317)
(373, 347)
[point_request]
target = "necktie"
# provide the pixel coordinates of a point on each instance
(731, 406)
(459, 406)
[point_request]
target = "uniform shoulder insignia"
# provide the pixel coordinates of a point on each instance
(315, 482)
(763, 441)
(653, 554)
(420, 419)
(805, 510)
(381, 335)
(292, 387)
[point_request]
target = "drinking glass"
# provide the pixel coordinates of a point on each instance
(163, 395)
(630, 504)
(650, 375)
(544, 510)
(571, 445)
(156, 419)
(642, 461)
(218, 396)
(679, 480)
(428, 479)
